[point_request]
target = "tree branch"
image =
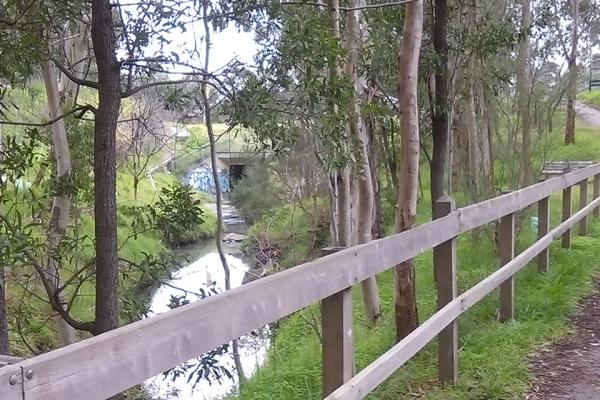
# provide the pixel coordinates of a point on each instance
(131, 92)
(83, 110)
(72, 77)
(50, 291)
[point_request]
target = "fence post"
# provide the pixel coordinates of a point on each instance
(444, 262)
(583, 201)
(566, 214)
(506, 250)
(596, 193)
(337, 337)
(543, 259)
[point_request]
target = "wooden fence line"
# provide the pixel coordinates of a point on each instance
(105, 365)
(378, 371)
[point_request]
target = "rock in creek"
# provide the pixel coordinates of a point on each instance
(234, 237)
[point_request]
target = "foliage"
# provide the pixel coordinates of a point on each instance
(176, 212)
(256, 193)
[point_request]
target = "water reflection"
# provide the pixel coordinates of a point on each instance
(188, 282)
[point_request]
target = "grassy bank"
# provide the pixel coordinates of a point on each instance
(590, 97)
(294, 232)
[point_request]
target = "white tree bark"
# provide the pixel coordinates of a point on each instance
(572, 58)
(61, 205)
(75, 48)
(364, 182)
(406, 209)
(523, 93)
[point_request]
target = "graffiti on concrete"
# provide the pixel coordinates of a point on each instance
(201, 179)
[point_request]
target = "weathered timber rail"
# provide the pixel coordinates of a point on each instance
(103, 366)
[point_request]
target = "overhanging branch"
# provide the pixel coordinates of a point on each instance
(69, 74)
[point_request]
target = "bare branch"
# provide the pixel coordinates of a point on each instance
(83, 110)
(133, 91)
(72, 77)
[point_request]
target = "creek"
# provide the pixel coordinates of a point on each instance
(204, 269)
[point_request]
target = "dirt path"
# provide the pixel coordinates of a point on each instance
(570, 369)
(588, 114)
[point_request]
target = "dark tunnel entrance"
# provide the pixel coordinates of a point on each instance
(236, 172)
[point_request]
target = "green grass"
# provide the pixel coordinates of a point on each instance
(492, 356)
(590, 97)
(586, 147)
(134, 248)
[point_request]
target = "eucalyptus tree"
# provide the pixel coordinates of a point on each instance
(523, 91)
(572, 60)
(117, 78)
(50, 17)
(406, 208)
(440, 130)
(311, 83)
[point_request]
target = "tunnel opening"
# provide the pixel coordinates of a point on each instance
(236, 172)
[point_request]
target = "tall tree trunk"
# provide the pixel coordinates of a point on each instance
(572, 94)
(3, 315)
(215, 173)
(340, 179)
(440, 132)
(61, 204)
(74, 49)
(406, 209)
(523, 93)
(365, 195)
(373, 153)
(488, 116)
(105, 171)
(474, 154)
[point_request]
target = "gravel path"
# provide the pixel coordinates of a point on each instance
(588, 114)
(570, 369)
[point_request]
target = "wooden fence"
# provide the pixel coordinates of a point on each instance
(105, 365)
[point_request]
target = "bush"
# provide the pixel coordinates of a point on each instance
(256, 193)
(177, 212)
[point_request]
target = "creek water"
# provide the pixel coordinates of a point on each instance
(205, 267)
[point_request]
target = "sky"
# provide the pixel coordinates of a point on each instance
(226, 45)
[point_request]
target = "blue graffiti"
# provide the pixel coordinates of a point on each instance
(202, 180)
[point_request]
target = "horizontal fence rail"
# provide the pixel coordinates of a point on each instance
(374, 374)
(105, 365)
